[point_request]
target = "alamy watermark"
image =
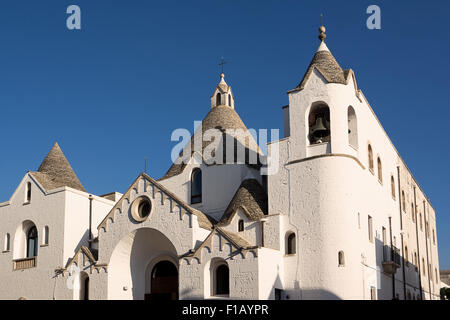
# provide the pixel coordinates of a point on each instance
(73, 22)
(374, 20)
(216, 146)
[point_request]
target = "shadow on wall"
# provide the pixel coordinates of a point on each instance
(83, 242)
(186, 293)
(318, 294)
(390, 255)
(278, 293)
(296, 293)
(374, 277)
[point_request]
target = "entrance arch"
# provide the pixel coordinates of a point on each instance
(163, 281)
(132, 262)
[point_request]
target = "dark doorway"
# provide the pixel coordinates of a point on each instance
(222, 280)
(86, 289)
(164, 282)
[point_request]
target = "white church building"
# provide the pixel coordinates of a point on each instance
(339, 216)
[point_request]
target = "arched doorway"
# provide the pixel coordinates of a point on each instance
(133, 260)
(163, 282)
(222, 280)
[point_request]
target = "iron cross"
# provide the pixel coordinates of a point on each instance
(222, 63)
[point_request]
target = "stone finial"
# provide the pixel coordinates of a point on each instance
(322, 34)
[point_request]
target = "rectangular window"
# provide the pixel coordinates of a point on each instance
(370, 229)
(28, 193)
(373, 293)
(45, 237)
(278, 294)
(7, 242)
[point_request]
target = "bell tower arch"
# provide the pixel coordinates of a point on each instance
(318, 117)
(319, 124)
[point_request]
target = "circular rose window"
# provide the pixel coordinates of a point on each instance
(141, 208)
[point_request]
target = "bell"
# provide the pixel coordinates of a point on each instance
(319, 130)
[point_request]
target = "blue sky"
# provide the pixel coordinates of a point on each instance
(112, 93)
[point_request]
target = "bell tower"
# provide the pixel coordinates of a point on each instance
(317, 108)
(222, 95)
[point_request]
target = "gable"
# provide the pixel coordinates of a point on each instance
(222, 238)
(156, 187)
(83, 259)
(19, 194)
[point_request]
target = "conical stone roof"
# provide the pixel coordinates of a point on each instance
(222, 118)
(55, 171)
(325, 63)
(252, 198)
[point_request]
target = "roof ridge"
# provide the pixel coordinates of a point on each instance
(234, 238)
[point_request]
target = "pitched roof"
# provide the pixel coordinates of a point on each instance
(55, 171)
(251, 197)
(204, 220)
(325, 63)
(222, 118)
(236, 239)
(92, 255)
